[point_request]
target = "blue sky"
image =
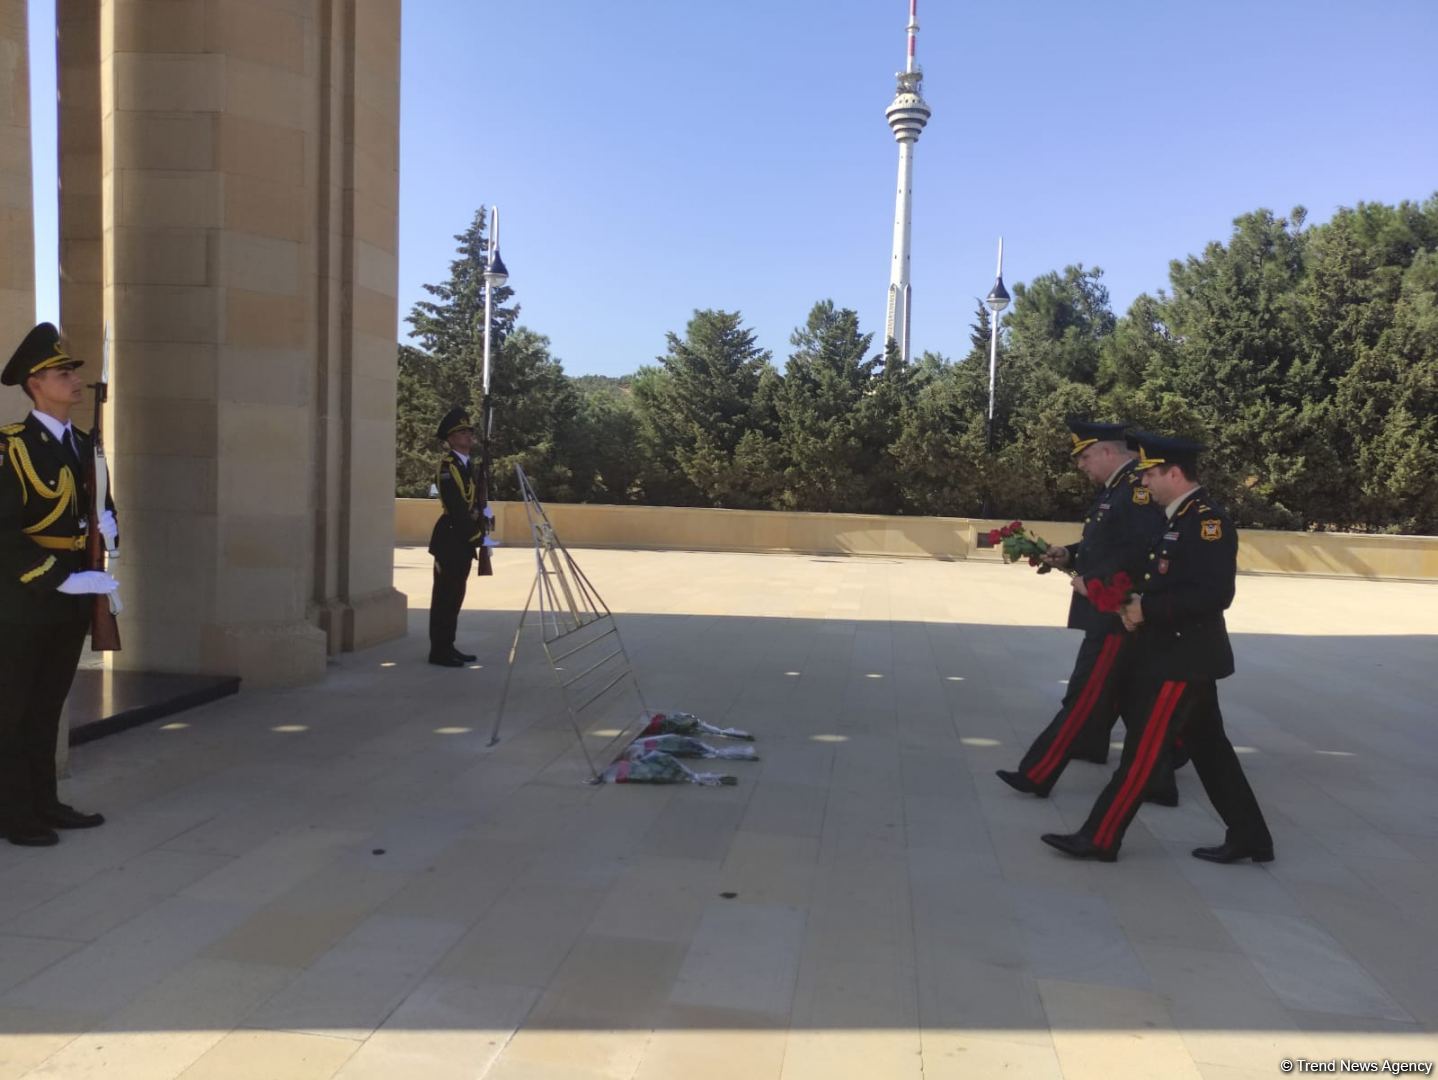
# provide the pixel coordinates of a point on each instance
(652, 158)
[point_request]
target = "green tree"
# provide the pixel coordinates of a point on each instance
(837, 414)
(708, 417)
(535, 406)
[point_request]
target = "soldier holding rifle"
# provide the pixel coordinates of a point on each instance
(49, 583)
(458, 535)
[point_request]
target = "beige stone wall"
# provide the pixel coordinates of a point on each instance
(17, 225)
(1408, 558)
(81, 225)
(250, 382)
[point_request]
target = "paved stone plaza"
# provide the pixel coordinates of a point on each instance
(342, 880)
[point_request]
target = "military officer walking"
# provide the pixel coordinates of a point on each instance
(45, 594)
(457, 535)
(1119, 527)
(1180, 650)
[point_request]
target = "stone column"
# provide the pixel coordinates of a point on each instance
(17, 222)
(354, 598)
(242, 371)
(81, 225)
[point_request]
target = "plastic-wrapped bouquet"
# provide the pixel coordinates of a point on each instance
(683, 723)
(684, 746)
(655, 767)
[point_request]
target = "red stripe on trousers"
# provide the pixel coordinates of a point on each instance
(1075, 720)
(1144, 762)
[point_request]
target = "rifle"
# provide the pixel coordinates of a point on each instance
(486, 561)
(104, 628)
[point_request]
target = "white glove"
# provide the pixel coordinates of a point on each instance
(491, 542)
(88, 581)
(108, 529)
(489, 512)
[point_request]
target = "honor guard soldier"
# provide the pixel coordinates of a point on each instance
(1119, 527)
(457, 535)
(1180, 651)
(46, 595)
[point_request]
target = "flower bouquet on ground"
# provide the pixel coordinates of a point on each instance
(1110, 596)
(654, 767)
(1018, 544)
(683, 723)
(684, 746)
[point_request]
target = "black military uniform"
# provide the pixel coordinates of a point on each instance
(457, 535)
(42, 631)
(1119, 527)
(1180, 650)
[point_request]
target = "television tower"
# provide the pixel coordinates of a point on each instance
(907, 114)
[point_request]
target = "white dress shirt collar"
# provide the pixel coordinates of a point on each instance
(1173, 506)
(53, 426)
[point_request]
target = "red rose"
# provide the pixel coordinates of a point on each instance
(1122, 582)
(1104, 596)
(1016, 526)
(995, 536)
(1033, 561)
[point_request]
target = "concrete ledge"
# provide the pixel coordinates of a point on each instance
(1396, 558)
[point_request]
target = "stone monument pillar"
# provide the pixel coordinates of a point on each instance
(249, 180)
(17, 224)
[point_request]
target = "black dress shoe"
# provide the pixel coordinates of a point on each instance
(61, 816)
(1231, 853)
(30, 834)
(1020, 782)
(467, 658)
(447, 660)
(1079, 846)
(1162, 798)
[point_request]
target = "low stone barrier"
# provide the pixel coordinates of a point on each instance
(1399, 558)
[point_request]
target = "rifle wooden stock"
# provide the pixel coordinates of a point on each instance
(486, 563)
(104, 628)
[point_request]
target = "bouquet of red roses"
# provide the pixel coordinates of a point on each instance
(1110, 596)
(1018, 543)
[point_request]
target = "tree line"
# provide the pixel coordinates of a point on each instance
(1305, 356)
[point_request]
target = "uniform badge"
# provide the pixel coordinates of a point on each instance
(1163, 566)
(1142, 496)
(1211, 529)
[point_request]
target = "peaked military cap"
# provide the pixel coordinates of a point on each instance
(40, 351)
(457, 419)
(1085, 433)
(1165, 450)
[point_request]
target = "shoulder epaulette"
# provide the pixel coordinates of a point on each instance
(12, 429)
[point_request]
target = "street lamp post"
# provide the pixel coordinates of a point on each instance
(997, 300)
(495, 275)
